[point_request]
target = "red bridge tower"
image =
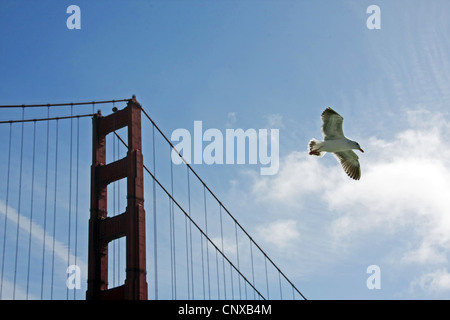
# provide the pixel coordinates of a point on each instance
(131, 223)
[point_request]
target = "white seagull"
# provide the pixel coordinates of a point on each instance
(336, 143)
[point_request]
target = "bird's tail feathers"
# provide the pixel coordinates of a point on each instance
(314, 146)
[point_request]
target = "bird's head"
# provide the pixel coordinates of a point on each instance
(357, 146)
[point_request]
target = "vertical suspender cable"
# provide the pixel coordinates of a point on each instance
(6, 209)
(54, 208)
(223, 259)
(217, 273)
(281, 290)
(207, 251)
(245, 289)
(237, 255)
(114, 213)
(172, 228)
(231, 281)
(31, 207)
(76, 197)
(171, 244)
(267, 278)
(203, 267)
(190, 232)
(187, 255)
(253, 269)
(70, 197)
(45, 205)
(171, 251)
(18, 206)
(155, 238)
(118, 208)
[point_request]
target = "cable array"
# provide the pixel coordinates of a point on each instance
(40, 204)
(196, 248)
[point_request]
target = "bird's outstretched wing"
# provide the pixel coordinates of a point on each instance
(332, 125)
(350, 163)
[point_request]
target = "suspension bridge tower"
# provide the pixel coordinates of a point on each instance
(130, 224)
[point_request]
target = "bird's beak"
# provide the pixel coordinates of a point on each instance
(361, 150)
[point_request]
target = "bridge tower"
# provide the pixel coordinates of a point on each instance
(131, 223)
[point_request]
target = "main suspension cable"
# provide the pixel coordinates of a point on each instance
(48, 119)
(62, 104)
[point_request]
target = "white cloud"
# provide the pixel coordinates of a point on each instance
(38, 234)
(280, 233)
(405, 186)
(403, 192)
(226, 245)
(298, 175)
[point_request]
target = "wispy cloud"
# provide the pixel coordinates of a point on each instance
(413, 57)
(275, 120)
(231, 120)
(280, 233)
(20, 294)
(38, 234)
(433, 283)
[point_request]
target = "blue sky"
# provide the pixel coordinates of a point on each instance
(270, 64)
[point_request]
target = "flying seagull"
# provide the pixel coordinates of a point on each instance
(336, 143)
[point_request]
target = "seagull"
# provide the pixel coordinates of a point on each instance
(336, 143)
